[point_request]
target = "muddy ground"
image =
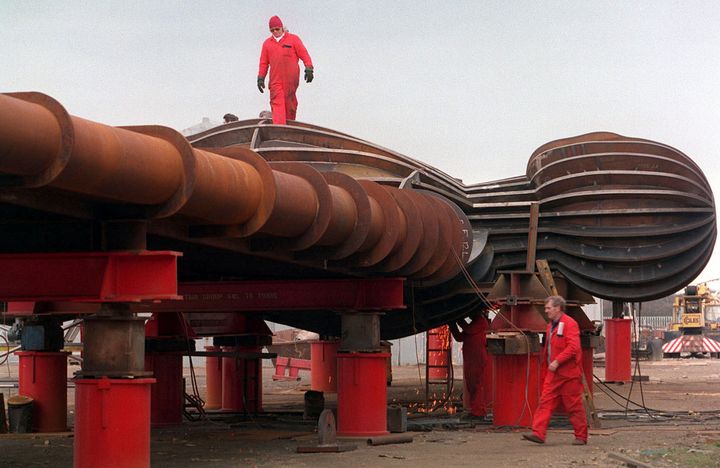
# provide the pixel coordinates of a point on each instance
(683, 430)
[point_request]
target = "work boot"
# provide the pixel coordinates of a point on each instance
(533, 438)
(579, 442)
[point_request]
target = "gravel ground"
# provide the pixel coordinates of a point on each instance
(684, 430)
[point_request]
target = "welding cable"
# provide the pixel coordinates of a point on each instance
(638, 371)
(620, 404)
(623, 397)
(196, 389)
(479, 293)
(633, 337)
(193, 379)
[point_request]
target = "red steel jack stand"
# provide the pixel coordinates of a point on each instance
(617, 350)
(324, 367)
(517, 388)
(213, 379)
(362, 394)
(111, 422)
(362, 379)
(515, 346)
(112, 395)
(42, 376)
(167, 394)
(242, 381)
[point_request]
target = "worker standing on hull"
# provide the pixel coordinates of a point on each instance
(475, 359)
(562, 355)
(280, 52)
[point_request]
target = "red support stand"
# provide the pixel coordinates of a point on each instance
(489, 386)
(323, 367)
(213, 379)
(362, 394)
(516, 388)
(617, 350)
(43, 377)
(112, 423)
(167, 395)
(242, 382)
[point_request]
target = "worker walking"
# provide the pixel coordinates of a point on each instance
(475, 359)
(562, 356)
(280, 52)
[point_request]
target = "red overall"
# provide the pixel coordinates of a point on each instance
(282, 58)
(475, 361)
(565, 384)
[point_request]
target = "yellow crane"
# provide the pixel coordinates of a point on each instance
(695, 326)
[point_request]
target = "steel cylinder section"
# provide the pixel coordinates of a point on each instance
(323, 366)
(226, 191)
(167, 393)
(120, 165)
(343, 219)
(242, 382)
(618, 364)
(359, 224)
(43, 377)
(362, 394)
(213, 379)
(30, 135)
(296, 205)
(112, 423)
(517, 385)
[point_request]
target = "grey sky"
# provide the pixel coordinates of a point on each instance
(469, 87)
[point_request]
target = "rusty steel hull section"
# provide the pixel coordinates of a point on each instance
(621, 218)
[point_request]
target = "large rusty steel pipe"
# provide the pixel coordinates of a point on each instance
(120, 165)
(30, 135)
(295, 206)
(343, 218)
(226, 191)
(360, 224)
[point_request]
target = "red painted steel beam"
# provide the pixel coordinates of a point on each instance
(89, 277)
(251, 296)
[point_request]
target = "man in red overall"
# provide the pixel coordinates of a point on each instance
(475, 360)
(562, 356)
(281, 52)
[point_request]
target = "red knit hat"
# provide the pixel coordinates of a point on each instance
(275, 22)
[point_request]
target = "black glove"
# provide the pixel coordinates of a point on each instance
(308, 75)
(261, 84)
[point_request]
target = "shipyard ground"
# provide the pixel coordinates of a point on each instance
(686, 431)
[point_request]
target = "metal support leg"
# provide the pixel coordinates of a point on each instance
(213, 379)
(111, 382)
(323, 367)
(617, 350)
(362, 390)
(517, 378)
